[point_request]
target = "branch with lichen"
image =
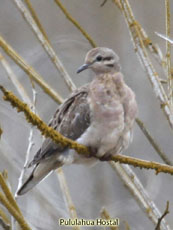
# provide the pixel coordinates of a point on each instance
(142, 53)
(29, 70)
(9, 202)
(45, 129)
(66, 142)
(47, 46)
(154, 48)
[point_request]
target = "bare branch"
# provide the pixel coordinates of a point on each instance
(35, 17)
(153, 142)
(75, 23)
(164, 37)
(17, 215)
(168, 52)
(29, 70)
(4, 221)
(9, 202)
(66, 195)
(48, 48)
(161, 218)
(142, 53)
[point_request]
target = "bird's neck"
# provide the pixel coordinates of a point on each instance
(111, 78)
(107, 86)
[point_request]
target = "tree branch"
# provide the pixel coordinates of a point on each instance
(9, 202)
(161, 218)
(29, 70)
(75, 23)
(66, 142)
(142, 53)
(1, 132)
(35, 17)
(14, 212)
(168, 52)
(46, 45)
(153, 142)
(66, 195)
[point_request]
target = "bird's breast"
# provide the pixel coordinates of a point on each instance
(105, 103)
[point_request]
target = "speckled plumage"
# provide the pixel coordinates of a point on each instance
(99, 115)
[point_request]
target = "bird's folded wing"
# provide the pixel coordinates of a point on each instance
(71, 119)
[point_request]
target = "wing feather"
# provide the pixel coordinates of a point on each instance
(71, 119)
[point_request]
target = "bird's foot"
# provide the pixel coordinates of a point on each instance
(93, 151)
(106, 157)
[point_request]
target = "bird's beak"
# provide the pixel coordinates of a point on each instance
(83, 67)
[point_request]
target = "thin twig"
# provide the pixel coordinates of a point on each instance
(29, 70)
(17, 215)
(61, 175)
(4, 221)
(14, 80)
(30, 145)
(105, 215)
(154, 48)
(127, 227)
(66, 142)
(168, 52)
(66, 195)
(4, 225)
(164, 37)
(9, 202)
(77, 25)
(145, 60)
(35, 17)
(1, 132)
(161, 218)
(153, 142)
(8, 194)
(103, 3)
(48, 48)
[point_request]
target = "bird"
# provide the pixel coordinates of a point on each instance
(99, 115)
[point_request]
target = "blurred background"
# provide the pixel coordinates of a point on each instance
(91, 188)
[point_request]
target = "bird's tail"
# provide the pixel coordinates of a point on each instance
(40, 172)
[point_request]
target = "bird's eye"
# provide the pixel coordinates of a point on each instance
(107, 58)
(99, 58)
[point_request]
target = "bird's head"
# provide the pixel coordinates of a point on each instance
(101, 60)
